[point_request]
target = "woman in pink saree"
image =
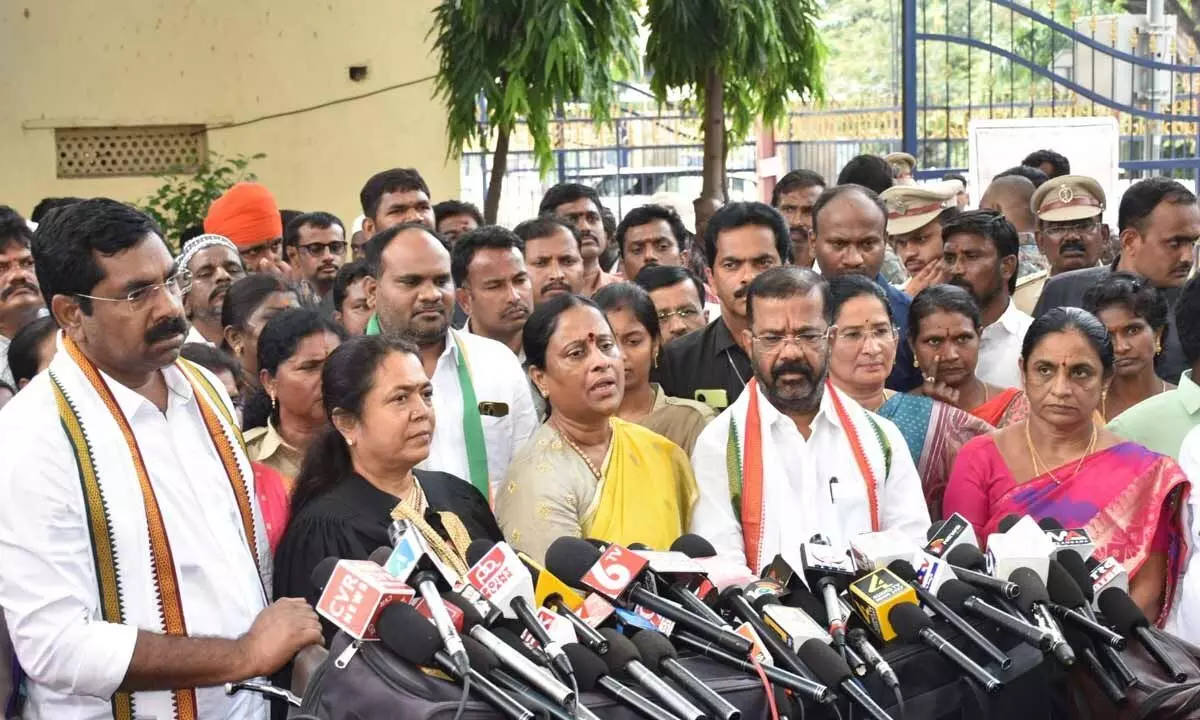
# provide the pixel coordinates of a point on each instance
(1060, 463)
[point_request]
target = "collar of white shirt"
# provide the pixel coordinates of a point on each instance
(130, 401)
(826, 415)
(1012, 321)
(467, 330)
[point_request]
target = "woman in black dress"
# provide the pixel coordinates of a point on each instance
(358, 475)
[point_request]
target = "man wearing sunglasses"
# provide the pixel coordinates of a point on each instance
(315, 246)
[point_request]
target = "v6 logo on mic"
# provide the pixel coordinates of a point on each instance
(614, 571)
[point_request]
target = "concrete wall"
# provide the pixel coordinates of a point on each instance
(86, 63)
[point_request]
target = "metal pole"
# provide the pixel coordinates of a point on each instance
(908, 34)
(1156, 49)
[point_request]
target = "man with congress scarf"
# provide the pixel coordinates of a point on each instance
(794, 457)
(135, 556)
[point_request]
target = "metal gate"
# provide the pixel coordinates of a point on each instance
(966, 59)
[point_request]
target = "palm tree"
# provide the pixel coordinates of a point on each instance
(524, 59)
(740, 59)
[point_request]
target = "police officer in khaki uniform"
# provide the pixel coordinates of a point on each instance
(916, 214)
(1070, 232)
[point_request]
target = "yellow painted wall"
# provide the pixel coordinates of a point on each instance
(74, 63)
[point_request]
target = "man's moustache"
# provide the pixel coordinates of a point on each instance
(12, 289)
(166, 329)
(796, 367)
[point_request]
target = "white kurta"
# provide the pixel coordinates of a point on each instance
(1185, 619)
(48, 585)
(1000, 348)
(810, 486)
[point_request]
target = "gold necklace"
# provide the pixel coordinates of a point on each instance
(1040, 467)
(588, 461)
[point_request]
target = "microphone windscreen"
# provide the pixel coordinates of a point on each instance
(588, 666)
(1062, 588)
(1050, 523)
(482, 659)
(407, 633)
(908, 621)
(827, 665)
(1008, 521)
(471, 616)
(934, 529)
(904, 570)
(621, 651)
(1033, 590)
(857, 635)
(639, 546)
(477, 549)
(322, 572)
(1073, 564)
(380, 555)
(1120, 610)
(570, 558)
(803, 599)
(727, 595)
(654, 648)
(694, 546)
(511, 639)
(954, 593)
(764, 600)
(966, 556)
(1091, 564)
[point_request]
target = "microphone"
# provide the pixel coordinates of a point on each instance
(613, 574)
(510, 656)
(875, 594)
(1066, 598)
(1086, 650)
(798, 684)
(1077, 540)
(1109, 573)
(945, 536)
(1025, 545)
(828, 572)
(549, 591)
(354, 593)
(658, 654)
(411, 561)
(1034, 600)
(678, 573)
(914, 626)
(961, 598)
(965, 557)
(1076, 568)
(408, 635)
(592, 672)
(623, 655)
(499, 576)
(832, 670)
(803, 600)
(857, 638)
(735, 600)
(875, 550)
(1128, 618)
(905, 572)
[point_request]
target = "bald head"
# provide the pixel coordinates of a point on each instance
(1010, 196)
(850, 229)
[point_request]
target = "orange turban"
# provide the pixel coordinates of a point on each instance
(246, 214)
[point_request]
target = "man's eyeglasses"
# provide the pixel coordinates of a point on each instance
(337, 247)
(681, 313)
(1055, 231)
(812, 339)
(177, 285)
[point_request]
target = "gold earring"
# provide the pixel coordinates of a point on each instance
(915, 363)
(1158, 348)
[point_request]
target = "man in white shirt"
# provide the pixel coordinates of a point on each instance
(808, 459)
(481, 396)
(493, 285)
(134, 555)
(215, 265)
(20, 300)
(980, 254)
(1185, 619)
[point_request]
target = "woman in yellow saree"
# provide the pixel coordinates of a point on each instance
(586, 472)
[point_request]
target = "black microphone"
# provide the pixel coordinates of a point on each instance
(1086, 649)
(857, 638)
(832, 670)
(798, 684)
(1066, 594)
(734, 599)
(697, 598)
(322, 572)
(658, 654)
(572, 559)
(905, 572)
(487, 664)
(961, 598)
(1120, 610)
(1007, 522)
(623, 655)
(408, 635)
(934, 529)
(913, 626)
(1035, 601)
(964, 558)
(1075, 567)
(591, 672)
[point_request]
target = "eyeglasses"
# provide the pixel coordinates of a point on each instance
(177, 285)
(681, 313)
(337, 247)
(1058, 230)
(812, 339)
(858, 336)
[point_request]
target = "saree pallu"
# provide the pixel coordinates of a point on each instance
(934, 433)
(1122, 496)
(1010, 406)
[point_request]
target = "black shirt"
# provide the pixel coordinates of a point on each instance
(705, 365)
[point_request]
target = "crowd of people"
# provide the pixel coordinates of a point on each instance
(186, 438)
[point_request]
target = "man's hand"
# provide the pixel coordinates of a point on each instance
(931, 274)
(278, 633)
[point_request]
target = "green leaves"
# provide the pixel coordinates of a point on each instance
(182, 202)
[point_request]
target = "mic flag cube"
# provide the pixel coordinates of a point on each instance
(1076, 540)
(955, 531)
(875, 595)
(877, 550)
(357, 591)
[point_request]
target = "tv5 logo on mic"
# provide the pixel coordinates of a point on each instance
(614, 571)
